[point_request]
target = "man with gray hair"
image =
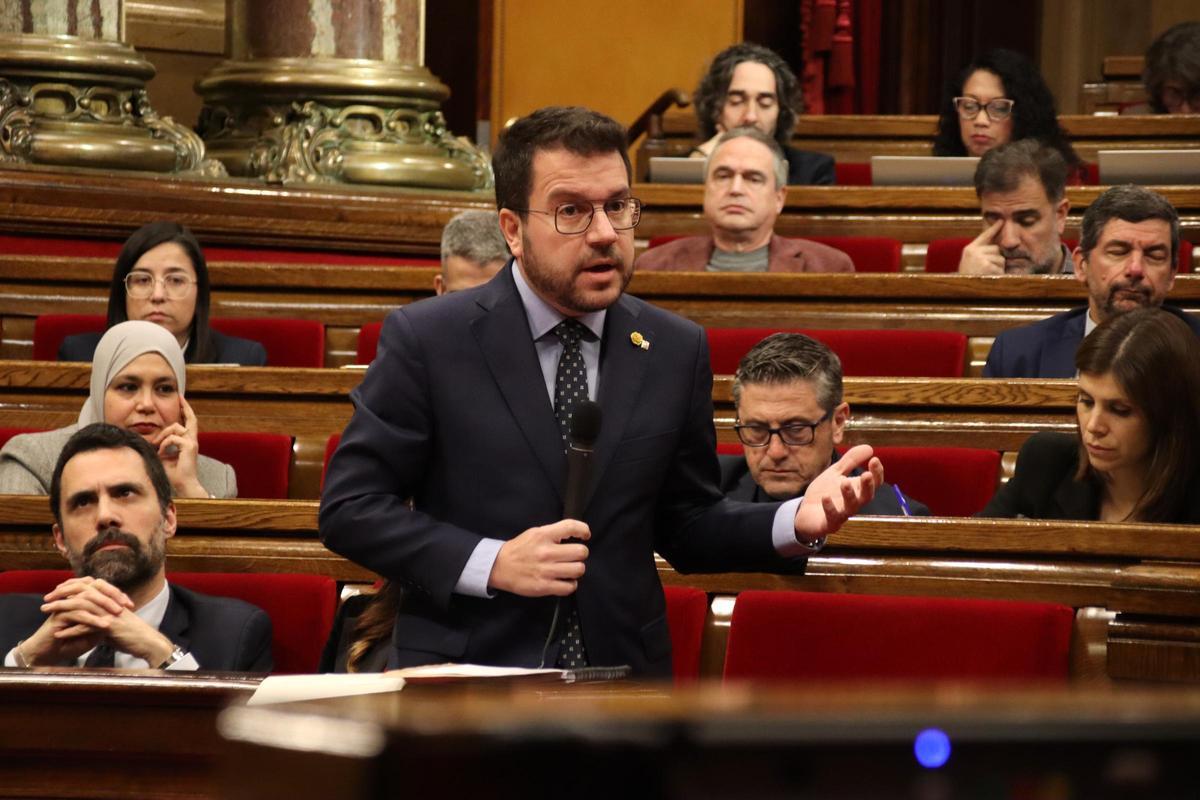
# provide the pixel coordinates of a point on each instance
(1127, 259)
(1022, 193)
(744, 192)
(473, 250)
(790, 419)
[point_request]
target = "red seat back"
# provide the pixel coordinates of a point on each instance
(301, 607)
(864, 353)
(952, 481)
(687, 608)
(289, 342)
(50, 329)
(852, 174)
(368, 342)
(869, 253)
(331, 444)
(806, 637)
(261, 461)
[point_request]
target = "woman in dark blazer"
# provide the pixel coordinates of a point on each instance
(1136, 455)
(161, 276)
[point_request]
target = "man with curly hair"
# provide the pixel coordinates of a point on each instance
(748, 85)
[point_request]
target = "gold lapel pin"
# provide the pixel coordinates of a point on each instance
(639, 340)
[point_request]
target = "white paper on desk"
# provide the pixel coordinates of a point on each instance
(290, 688)
(449, 672)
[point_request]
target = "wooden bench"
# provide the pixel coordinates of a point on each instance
(1148, 575)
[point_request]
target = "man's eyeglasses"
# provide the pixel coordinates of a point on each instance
(140, 285)
(576, 218)
(997, 110)
(796, 434)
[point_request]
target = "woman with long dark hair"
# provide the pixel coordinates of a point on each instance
(1136, 455)
(161, 277)
(999, 98)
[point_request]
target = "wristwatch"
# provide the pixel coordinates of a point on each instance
(176, 655)
(816, 544)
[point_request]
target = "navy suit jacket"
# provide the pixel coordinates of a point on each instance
(454, 414)
(1046, 349)
(807, 167)
(221, 633)
(230, 349)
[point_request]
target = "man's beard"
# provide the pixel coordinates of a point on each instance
(1140, 291)
(1035, 268)
(559, 286)
(124, 568)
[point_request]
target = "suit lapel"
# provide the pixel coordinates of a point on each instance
(502, 333)
(623, 366)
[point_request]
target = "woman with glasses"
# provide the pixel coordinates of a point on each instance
(1134, 456)
(999, 98)
(138, 383)
(161, 277)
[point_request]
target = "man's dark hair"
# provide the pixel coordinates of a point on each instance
(1034, 114)
(786, 357)
(1131, 204)
(102, 436)
(577, 130)
(1173, 56)
(1003, 168)
(1145, 349)
(709, 97)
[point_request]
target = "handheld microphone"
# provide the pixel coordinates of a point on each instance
(581, 441)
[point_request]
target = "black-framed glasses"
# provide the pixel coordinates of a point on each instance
(140, 285)
(997, 110)
(796, 434)
(574, 218)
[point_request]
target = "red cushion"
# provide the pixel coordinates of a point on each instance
(806, 637)
(952, 481)
(50, 329)
(301, 607)
(368, 342)
(877, 353)
(261, 461)
(331, 444)
(869, 253)
(289, 342)
(687, 608)
(852, 174)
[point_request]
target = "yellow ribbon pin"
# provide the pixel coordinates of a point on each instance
(639, 340)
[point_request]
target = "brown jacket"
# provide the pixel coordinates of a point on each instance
(692, 253)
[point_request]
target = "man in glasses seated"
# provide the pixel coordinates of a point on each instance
(744, 192)
(1022, 194)
(790, 419)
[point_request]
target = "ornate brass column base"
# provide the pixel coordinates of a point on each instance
(335, 121)
(66, 101)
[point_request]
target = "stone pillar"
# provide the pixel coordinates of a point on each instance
(333, 91)
(73, 94)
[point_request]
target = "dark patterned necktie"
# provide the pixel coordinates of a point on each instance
(102, 656)
(570, 389)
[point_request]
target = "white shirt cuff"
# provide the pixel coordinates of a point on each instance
(185, 664)
(783, 531)
(10, 660)
(473, 582)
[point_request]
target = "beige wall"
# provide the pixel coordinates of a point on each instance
(615, 57)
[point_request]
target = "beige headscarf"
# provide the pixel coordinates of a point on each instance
(121, 344)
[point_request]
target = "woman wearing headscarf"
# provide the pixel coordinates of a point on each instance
(138, 382)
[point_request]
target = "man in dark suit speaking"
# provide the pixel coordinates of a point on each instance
(113, 514)
(465, 411)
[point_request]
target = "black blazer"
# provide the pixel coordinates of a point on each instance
(220, 632)
(1043, 485)
(807, 167)
(230, 349)
(454, 414)
(738, 484)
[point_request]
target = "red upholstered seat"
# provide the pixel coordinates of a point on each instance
(50, 329)
(289, 342)
(852, 174)
(864, 353)
(806, 637)
(687, 608)
(301, 607)
(368, 342)
(261, 461)
(330, 445)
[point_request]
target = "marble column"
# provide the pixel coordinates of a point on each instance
(333, 91)
(73, 94)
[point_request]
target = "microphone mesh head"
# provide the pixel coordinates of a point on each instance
(585, 423)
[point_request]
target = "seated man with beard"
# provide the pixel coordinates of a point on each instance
(113, 513)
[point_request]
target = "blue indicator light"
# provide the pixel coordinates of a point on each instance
(932, 748)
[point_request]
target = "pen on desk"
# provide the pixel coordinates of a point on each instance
(902, 500)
